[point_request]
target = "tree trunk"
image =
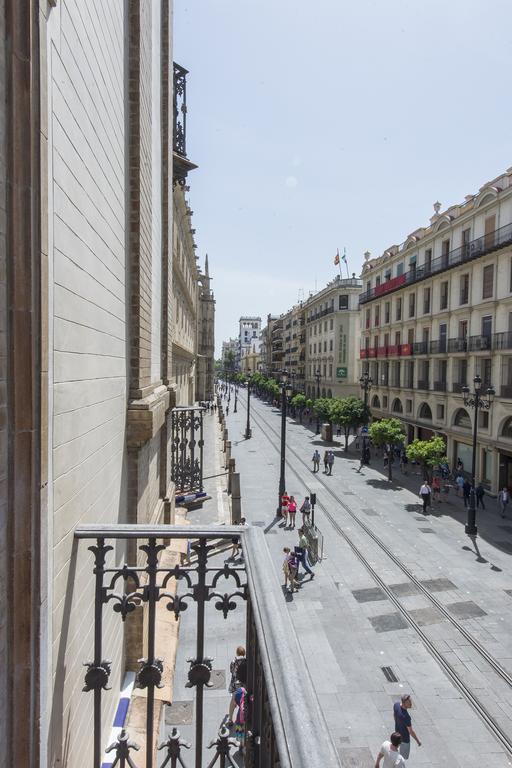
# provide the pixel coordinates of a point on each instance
(347, 432)
(390, 472)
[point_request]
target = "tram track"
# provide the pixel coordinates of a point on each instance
(483, 712)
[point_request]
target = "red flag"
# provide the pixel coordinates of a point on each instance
(337, 257)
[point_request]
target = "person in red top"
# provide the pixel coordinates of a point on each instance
(292, 509)
(285, 500)
(436, 488)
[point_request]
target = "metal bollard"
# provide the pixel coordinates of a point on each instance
(231, 469)
(236, 501)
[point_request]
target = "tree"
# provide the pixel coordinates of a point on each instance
(299, 403)
(428, 453)
(387, 433)
(229, 359)
(322, 409)
(349, 413)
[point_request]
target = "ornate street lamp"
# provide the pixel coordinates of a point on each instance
(474, 400)
(248, 431)
(236, 396)
(285, 391)
(318, 376)
(366, 384)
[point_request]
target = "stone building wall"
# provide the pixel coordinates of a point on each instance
(3, 391)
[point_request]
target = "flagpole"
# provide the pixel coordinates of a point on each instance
(346, 262)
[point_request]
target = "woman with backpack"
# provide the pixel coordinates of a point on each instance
(238, 669)
(290, 569)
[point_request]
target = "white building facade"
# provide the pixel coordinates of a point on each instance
(436, 312)
(249, 330)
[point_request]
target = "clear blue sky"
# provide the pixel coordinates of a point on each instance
(329, 124)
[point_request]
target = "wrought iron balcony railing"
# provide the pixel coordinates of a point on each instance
(457, 387)
(284, 724)
(489, 242)
(420, 347)
(458, 345)
(439, 386)
(480, 343)
(502, 340)
(423, 384)
(438, 347)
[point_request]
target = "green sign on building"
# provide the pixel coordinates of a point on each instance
(342, 372)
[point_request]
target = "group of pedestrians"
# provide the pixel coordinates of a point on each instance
(328, 461)
(432, 492)
(289, 510)
(396, 750)
(238, 701)
(292, 561)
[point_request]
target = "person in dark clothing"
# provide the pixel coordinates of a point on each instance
(466, 490)
(403, 724)
(479, 493)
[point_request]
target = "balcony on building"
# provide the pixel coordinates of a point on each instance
(284, 723)
(420, 347)
(480, 343)
(458, 345)
(423, 384)
(491, 241)
(438, 347)
(502, 340)
(180, 162)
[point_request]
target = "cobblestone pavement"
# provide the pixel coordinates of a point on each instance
(350, 629)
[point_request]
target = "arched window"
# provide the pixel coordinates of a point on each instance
(462, 419)
(323, 392)
(329, 393)
(425, 412)
(397, 406)
(375, 401)
(507, 429)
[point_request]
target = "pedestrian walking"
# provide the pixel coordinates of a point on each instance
(425, 492)
(326, 461)
(302, 553)
(292, 509)
(235, 541)
(241, 716)
(238, 670)
(504, 498)
(403, 463)
(306, 511)
(403, 724)
(480, 493)
(459, 482)
(466, 491)
(285, 500)
(290, 569)
(391, 753)
(436, 488)
(330, 461)
(460, 466)
(316, 461)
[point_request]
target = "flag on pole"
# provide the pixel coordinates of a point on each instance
(344, 257)
(337, 257)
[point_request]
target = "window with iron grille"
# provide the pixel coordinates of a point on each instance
(488, 281)
(426, 301)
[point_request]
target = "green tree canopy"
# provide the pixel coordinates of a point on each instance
(322, 408)
(387, 432)
(428, 453)
(349, 413)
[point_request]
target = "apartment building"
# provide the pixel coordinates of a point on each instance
(249, 329)
(435, 312)
(205, 337)
(266, 345)
(229, 353)
(294, 349)
(331, 339)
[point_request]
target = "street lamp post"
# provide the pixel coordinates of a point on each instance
(318, 376)
(473, 400)
(282, 481)
(248, 432)
(366, 384)
(236, 397)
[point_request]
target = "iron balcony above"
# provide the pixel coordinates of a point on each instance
(458, 345)
(489, 242)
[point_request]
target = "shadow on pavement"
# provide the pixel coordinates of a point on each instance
(384, 485)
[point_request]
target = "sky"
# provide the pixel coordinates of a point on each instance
(333, 124)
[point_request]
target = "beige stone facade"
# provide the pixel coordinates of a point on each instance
(331, 342)
(435, 312)
(205, 338)
(251, 361)
(294, 343)
(185, 294)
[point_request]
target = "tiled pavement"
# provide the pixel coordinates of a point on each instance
(346, 641)
(348, 628)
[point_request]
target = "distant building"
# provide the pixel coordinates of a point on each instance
(332, 339)
(249, 329)
(266, 345)
(294, 346)
(229, 353)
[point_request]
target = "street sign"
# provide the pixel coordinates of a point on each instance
(364, 430)
(342, 372)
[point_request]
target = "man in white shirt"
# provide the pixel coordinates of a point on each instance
(389, 751)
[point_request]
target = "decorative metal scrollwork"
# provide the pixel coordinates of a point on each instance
(199, 672)
(150, 673)
(122, 748)
(180, 110)
(223, 744)
(173, 745)
(187, 439)
(97, 675)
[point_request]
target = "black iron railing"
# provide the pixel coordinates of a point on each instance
(180, 110)
(502, 340)
(423, 384)
(439, 386)
(489, 242)
(420, 347)
(187, 448)
(284, 727)
(458, 345)
(457, 387)
(438, 347)
(480, 343)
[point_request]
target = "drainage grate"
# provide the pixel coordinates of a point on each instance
(389, 675)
